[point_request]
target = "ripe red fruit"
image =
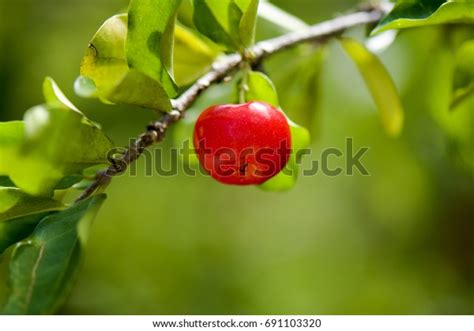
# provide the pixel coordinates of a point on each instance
(242, 144)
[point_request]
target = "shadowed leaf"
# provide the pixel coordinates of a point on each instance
(16, 229)
(43, 266)
(19, 214)
(230, 23)
(6, 181)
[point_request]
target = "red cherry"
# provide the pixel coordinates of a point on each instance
(242, 144)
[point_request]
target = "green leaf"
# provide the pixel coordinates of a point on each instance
(437, 93)
(380, 85)
(465, 56)
(43, 265)
(299, 97)
(248, 23)
(5, 181)
(11, 136)
(105, 72)
(230, 23)
(185, 13)
(261, 88)
(16, 229)
(53, 142)
(149, 46)
(463, 87)
(55, 97)
(15, 203)
(68, 181)
(286, 179)
(138, 89)
(214, 19)
(460, 95)
(19, 214)
(192, 56)
(416, 13)
(54, 148)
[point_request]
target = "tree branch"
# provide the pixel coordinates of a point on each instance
(222, 68)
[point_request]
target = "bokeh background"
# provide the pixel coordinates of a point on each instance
(399, 241)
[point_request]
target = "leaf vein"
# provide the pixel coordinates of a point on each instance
(29, 293)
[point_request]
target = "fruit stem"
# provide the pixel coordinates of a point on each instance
(244, 83)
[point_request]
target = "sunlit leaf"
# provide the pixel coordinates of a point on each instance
(105, 72)
(43, 265)
(230, 23)
(54, 148)
(11, 137)
(192, 56)
(51, 143)
(185, 13)
(149, 45)
(380, 85)
(248, 22)
(261, 88)
(54, 96)
(105, 63)
(415, 13)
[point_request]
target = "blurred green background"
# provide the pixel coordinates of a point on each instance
(399, 241)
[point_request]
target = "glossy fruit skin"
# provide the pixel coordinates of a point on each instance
(243, 144)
